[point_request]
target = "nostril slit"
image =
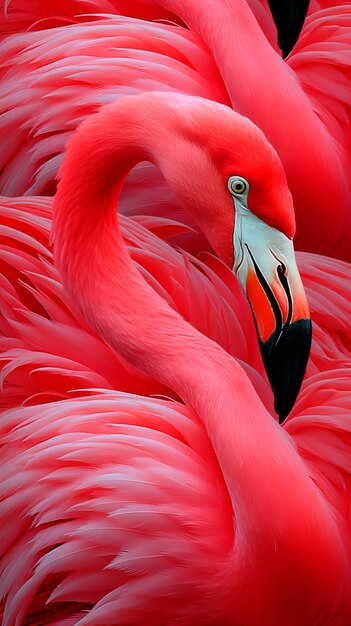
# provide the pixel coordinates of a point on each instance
(281, 269)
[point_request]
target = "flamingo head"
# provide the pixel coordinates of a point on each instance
(237, 191)
(265, 265)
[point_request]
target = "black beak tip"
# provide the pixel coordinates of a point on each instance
(289, 16)
(285, 359)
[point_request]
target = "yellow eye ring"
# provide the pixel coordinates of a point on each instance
(237, 185)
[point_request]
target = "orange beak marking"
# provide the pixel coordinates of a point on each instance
(300, 307)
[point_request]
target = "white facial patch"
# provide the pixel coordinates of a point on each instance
(268, 246)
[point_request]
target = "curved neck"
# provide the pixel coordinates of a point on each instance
(253, 71)
(257, 459)
(241, 51)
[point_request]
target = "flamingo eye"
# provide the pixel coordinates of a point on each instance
(237, 185)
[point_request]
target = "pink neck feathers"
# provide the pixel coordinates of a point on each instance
(268, 483)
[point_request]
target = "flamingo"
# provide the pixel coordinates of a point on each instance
(135, 510)
(70, 68)
(47, 353)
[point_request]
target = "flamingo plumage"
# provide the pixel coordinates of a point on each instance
(125, 505)
(305, 111)
(48, 353)
(53, 361)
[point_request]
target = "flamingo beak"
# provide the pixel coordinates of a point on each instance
(284, 329)
(266, 267)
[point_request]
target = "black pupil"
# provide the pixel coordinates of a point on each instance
(238, 186)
